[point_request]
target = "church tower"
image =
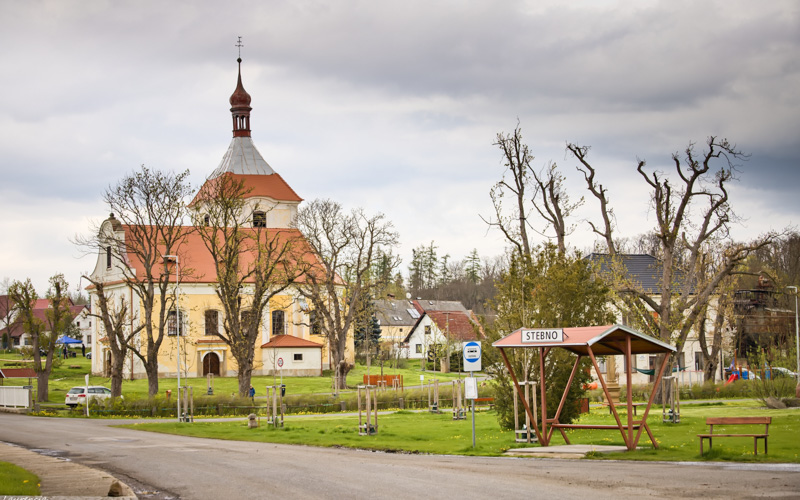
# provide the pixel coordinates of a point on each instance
(270, 201)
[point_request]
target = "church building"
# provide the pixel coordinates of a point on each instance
(287, 343)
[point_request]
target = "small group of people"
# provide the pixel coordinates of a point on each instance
(65, 351)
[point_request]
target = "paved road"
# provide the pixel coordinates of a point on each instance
(164, 466)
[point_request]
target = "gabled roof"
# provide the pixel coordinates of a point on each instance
(424, 305)
(604, 340)
(196, 263)
(396, 312)
(288, 341)
(458, 325)
(644, 271)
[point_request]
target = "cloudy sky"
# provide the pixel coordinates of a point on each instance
(391, 106)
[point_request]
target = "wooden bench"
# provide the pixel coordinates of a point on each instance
(486, 401)
(730, 421)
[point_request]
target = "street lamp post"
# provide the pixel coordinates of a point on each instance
(174, 258)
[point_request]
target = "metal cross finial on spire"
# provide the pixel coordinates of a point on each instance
(239, 44)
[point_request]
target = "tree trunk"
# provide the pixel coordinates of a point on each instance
(151, 369)
(42, 389)
(117, 362)
(245, 376)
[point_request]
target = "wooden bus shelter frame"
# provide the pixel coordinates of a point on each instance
(591, 341)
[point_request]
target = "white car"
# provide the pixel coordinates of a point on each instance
(77, 395)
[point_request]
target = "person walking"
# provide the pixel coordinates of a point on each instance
(83, 349)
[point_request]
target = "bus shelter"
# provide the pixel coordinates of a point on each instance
(588, 341)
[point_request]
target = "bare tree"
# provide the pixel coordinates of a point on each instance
(551, 201)
(149, 207)
(344, 245)
(544, 190)
(43, 331)
(117, 318)
(263, 262)
(517, 160)
(693, 217)
(24, 297)
(8, 311)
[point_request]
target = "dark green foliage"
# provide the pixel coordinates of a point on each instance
(546, 290)
(373, 329)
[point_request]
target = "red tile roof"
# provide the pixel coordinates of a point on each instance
(196, 263)
(456, 324)
(603, 340)
(17, 373)
(288, 341)
(270, 186)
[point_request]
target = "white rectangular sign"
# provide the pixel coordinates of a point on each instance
(542, 335)
(470, 388)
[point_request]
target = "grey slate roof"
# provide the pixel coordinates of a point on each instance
(396, 312)
(643, 270)
(439, 305)
(243, 158)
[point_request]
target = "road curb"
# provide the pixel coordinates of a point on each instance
(62, 479)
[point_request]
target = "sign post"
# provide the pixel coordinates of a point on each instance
(280, 368)
(471, 353)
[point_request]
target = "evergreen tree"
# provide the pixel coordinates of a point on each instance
(549, 290)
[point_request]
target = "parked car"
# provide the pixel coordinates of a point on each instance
(781, 372)
(77, 395)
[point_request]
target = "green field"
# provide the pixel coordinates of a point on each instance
(438, 434)
(17, 481)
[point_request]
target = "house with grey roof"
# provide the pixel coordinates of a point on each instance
(644, 272)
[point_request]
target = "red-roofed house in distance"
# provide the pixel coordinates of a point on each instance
(441, 323)
(11, 325)
(271, 205)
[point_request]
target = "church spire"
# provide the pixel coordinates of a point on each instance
(240, 104)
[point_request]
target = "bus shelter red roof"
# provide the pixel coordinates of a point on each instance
(591, 341)
(604, 340)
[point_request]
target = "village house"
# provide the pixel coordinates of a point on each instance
(441, 323)
(12, 325)
(644, 272)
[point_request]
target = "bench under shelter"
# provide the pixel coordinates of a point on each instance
(588, 341)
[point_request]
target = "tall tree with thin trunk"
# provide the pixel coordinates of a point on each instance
(149, 207)
(345, 246)
(118, 320)
(253, 265)
(531, 191)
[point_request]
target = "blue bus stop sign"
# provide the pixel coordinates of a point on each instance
(471, 352)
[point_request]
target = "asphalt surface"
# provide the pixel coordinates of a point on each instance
(160, 466)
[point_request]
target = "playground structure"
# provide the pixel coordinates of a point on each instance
(459, 410)
(670, 400)
(433, 396)
(186, 394)
(591, 341)
(369, 407)
(275, 411)
(525, 434)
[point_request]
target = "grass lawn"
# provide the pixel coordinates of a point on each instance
(73, 370)
(439, 434)
(17, 481)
